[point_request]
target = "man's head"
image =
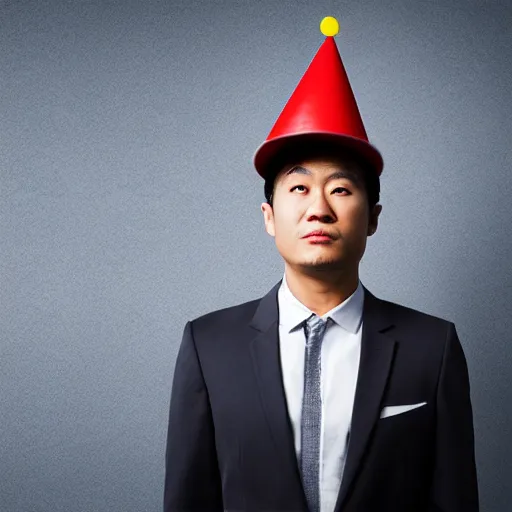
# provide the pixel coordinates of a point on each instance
(320, 186)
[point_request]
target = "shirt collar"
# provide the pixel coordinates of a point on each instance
(347, 314)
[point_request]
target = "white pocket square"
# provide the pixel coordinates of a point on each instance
(391, 410)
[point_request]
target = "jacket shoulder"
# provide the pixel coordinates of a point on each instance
(407, 316)
(237, 314)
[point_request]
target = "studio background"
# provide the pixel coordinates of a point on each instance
(129, 205)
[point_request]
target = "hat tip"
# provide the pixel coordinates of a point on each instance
(329, 26)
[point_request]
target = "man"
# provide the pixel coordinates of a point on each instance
(320, 396)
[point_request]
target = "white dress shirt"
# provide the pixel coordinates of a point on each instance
(340, 354)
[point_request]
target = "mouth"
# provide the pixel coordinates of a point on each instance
(318, 239)
(319, 236)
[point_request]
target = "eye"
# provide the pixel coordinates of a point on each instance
(340, 188)
(337, 188)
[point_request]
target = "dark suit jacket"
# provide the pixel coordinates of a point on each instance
(230, 443)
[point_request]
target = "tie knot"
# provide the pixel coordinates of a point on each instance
(314, 321)
(315, 328)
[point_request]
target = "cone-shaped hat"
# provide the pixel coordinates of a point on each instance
(322, 107)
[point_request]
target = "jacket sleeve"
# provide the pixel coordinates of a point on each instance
(192, 479)
(454, 484)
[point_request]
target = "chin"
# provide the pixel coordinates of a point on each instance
(320, 263)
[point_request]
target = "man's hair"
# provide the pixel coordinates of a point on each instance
(293, 153)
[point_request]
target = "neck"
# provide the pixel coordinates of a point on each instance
(320, 293)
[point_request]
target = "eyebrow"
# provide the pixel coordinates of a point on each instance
(352, 176)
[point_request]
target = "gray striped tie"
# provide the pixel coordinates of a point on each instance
(312, 412)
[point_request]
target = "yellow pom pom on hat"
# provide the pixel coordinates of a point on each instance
(329, 26)
(322, 107)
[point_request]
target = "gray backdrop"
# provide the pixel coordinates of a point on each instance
(129, 205)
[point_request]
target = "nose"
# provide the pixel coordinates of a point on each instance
(320, 208)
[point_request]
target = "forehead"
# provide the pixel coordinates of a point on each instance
(328, 168)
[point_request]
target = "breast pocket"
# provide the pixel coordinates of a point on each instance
(393, 410)
(403, 425)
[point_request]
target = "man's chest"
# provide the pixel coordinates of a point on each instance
(340, 357)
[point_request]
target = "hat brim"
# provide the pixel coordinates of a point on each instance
(267, 151)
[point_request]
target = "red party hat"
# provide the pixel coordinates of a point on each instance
(322, 107)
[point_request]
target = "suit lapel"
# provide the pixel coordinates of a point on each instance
(377, 351)
(267, 367)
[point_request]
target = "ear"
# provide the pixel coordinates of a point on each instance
(268, 217)
(374, 219)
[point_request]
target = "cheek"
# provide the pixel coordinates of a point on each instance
(354, 217)
(285, 225)
(283, 229)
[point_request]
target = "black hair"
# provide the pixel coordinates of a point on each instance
(308, 149)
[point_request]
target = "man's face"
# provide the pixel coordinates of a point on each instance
(328, 194)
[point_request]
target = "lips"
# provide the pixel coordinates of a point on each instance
(319, 233)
